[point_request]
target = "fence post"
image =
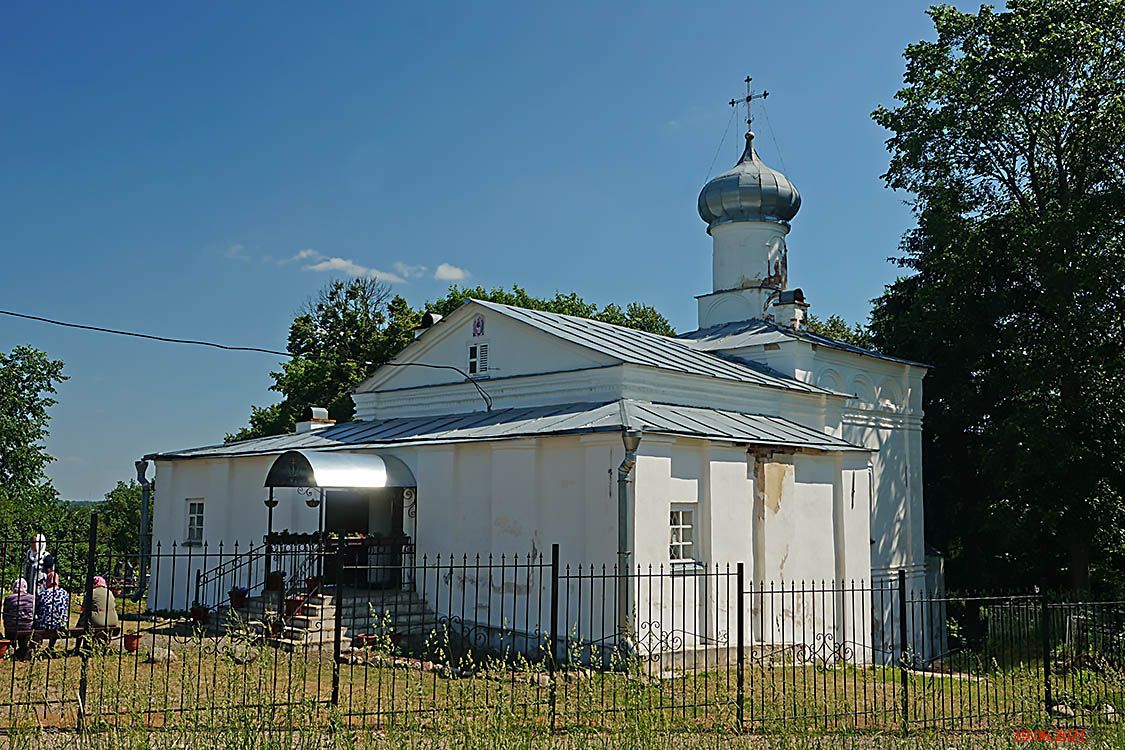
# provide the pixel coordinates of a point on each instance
(553, 634)
(904, 678)
(84, 619)
(338, 624)
(741, 644)
(1045, 636)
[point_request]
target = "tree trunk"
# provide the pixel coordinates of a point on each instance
(1080, 565)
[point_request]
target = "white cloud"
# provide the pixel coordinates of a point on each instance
(343, 265)
(237, 252)
(409, 271)
(307, 254)
(450, 272)
(349, 267)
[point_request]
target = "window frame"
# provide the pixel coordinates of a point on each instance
(477, 365)
(190, 517)
(676, 527)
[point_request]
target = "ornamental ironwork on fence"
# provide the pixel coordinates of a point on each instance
(366, 631)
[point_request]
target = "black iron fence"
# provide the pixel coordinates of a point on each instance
(295, 632)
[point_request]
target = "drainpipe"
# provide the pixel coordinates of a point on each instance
(632, 440)
(146, 539)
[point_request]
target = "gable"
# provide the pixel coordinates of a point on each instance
(506, 346)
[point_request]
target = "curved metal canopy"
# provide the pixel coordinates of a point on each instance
(338, 470)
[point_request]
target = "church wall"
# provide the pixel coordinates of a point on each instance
(885, 414)
(234, 512)
(603, 384)
(596, 385)
(518, 497)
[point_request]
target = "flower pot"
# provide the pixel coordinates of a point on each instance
(367, 640)
(293, 605)
(4, 645)
(132, 642)
(275, 580)
(238, 599)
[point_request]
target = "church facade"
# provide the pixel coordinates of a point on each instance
(502, 430)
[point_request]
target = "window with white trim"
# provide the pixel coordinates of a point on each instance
(681, 522)
(478, 358)
(194, 533)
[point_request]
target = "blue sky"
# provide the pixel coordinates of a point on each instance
(163, 168)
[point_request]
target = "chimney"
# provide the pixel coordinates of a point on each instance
(790, 309)
(429, 320)
(316, 418)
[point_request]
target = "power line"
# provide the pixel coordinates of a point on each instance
(715, 158)
(226, 347)
(483, 394)
(773, 138)
(149, 336)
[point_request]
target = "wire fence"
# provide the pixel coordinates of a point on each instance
(296, 631)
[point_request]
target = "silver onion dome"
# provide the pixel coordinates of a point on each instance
(750, 191)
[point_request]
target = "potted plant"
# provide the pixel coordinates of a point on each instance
(293, 605)
(199, 614)
(238, 596)
(367, 640)
(5, 644)
(131, 641)
(275, 580)
(274, 625)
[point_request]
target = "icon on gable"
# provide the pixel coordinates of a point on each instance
(478, 325)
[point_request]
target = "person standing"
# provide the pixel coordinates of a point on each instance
(37, 564)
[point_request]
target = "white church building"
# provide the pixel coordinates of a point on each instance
(505, 430)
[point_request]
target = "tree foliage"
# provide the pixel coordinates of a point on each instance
(28, 501)
(353, 327)
(119, 517)
(634, 315)
(835, 327)
(1010, 133)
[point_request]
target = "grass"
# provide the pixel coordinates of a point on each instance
(216, 682)
(236, 692)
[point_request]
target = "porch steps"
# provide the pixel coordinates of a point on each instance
(399, 614)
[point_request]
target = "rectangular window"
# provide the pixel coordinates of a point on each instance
(681, 546)
(478, 358)
(194, 521)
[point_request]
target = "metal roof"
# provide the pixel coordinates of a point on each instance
(757, 332)
(750, 191)
(562, 419)
(649, 349)
(326, 469)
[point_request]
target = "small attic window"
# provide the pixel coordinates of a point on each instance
(478, 358)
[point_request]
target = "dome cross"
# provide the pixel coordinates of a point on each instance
(748, 100)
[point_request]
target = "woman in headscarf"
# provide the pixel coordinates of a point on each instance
(52, 608)
(103, 606)
(19, 615)
(37, 564)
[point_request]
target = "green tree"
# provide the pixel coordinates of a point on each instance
(337, 339)
(28, 500)
(119, 517)
(835, 327)
(635, 315)
(353, 327)
(1009, 132)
